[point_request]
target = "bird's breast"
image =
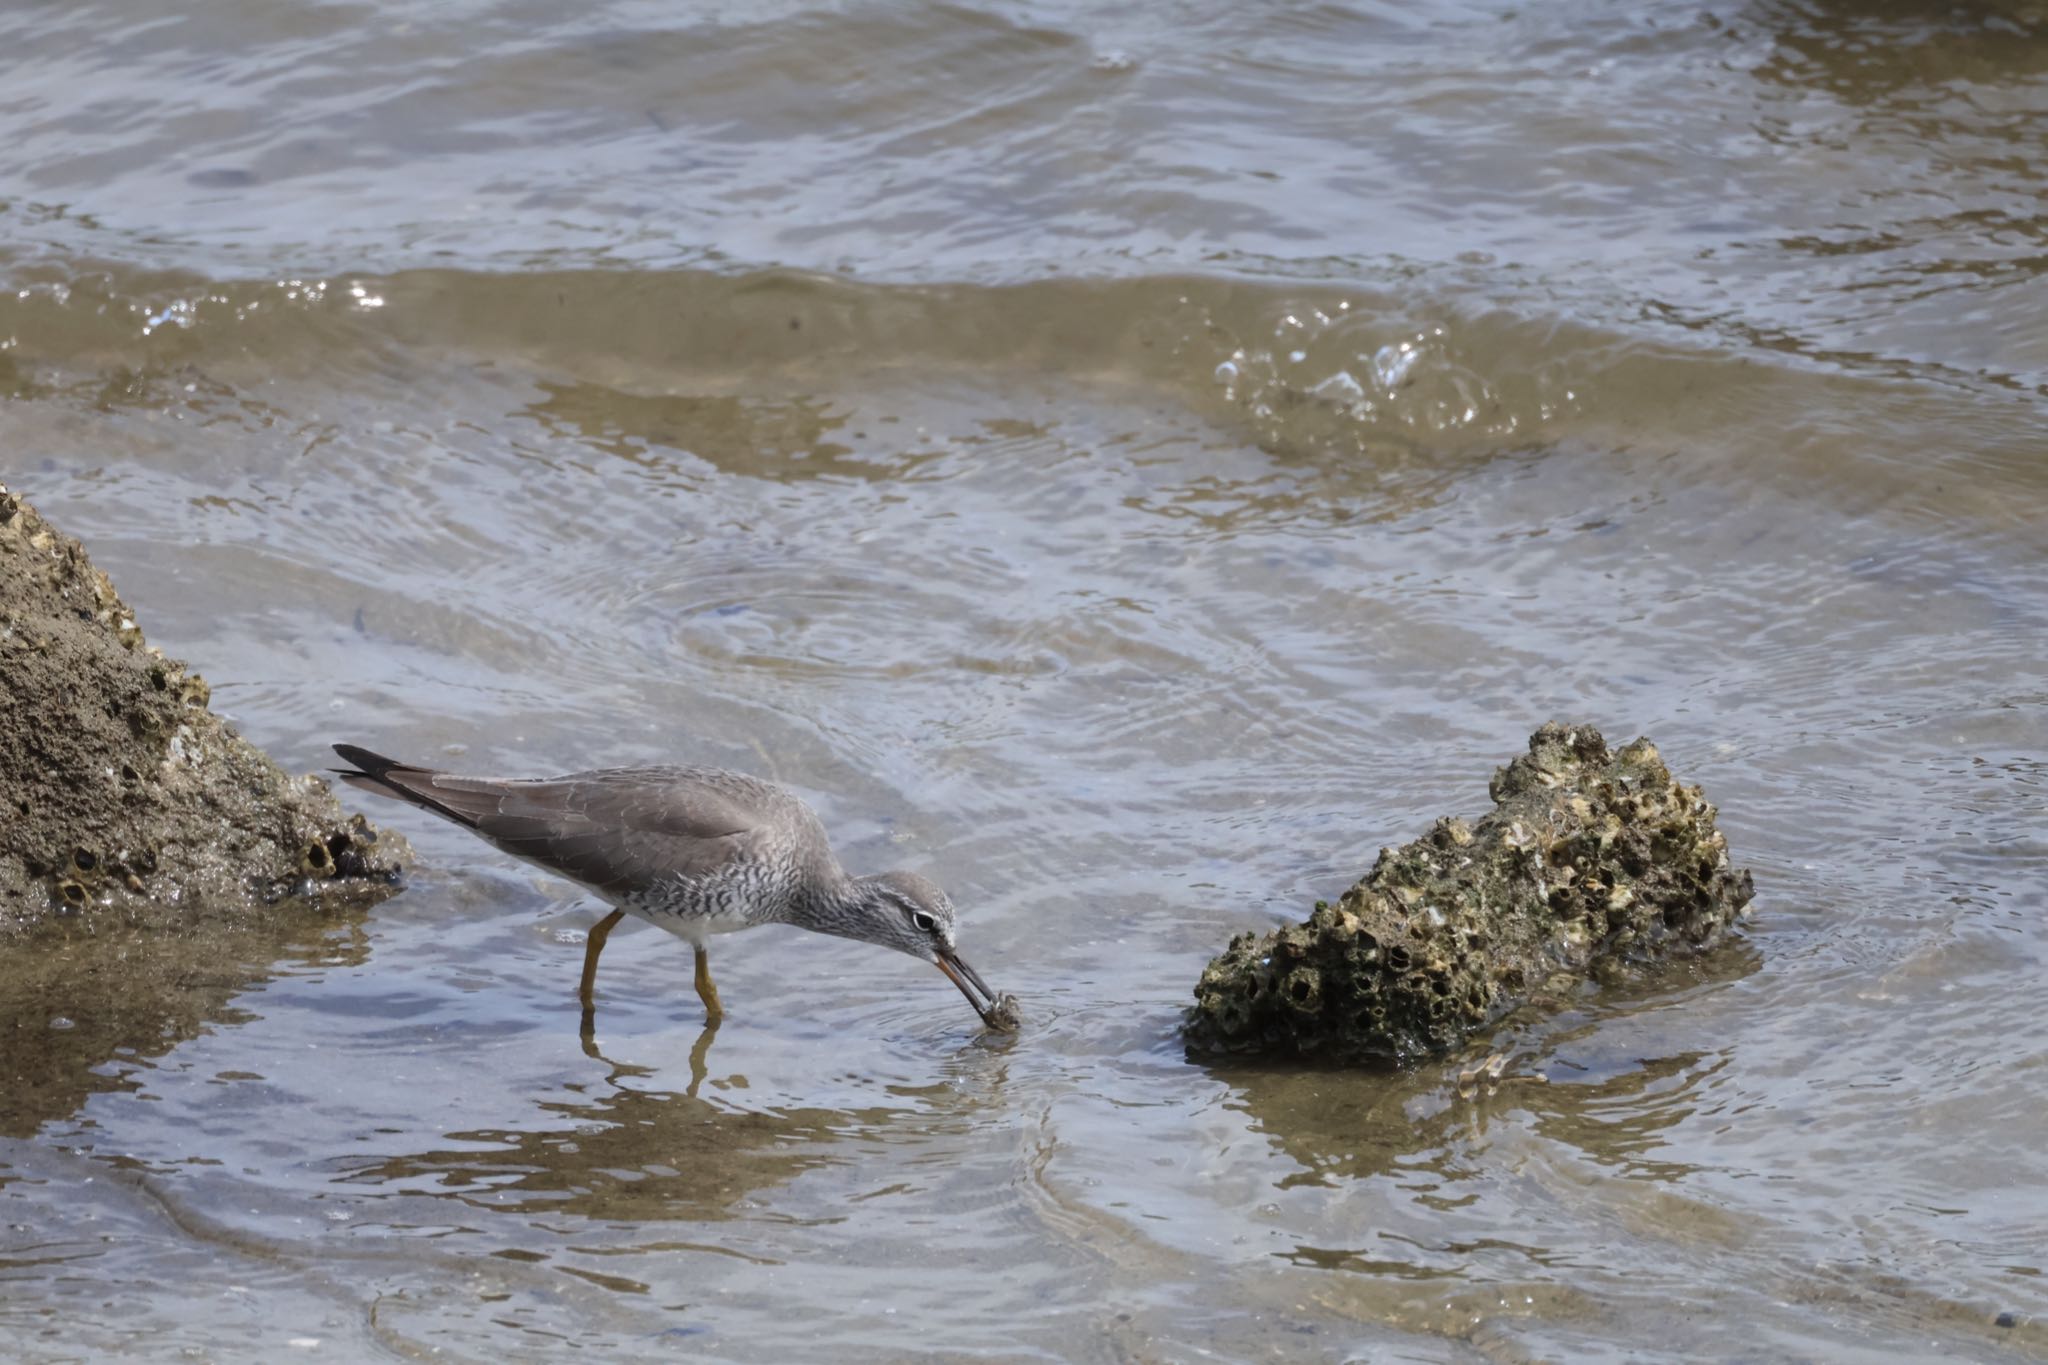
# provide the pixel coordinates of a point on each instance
(697, 907)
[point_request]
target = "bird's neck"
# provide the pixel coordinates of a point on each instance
(832, 903)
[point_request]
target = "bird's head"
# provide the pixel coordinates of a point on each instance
(904, 911)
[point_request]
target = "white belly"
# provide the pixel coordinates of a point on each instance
(696, 928)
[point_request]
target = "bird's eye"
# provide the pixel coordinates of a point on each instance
(923, 921)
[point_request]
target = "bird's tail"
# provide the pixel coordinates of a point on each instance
(388, 777)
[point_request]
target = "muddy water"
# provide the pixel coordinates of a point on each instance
(1128, 468)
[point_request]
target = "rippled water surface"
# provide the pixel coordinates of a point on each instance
(1129, 467)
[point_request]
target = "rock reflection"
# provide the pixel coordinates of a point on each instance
(81, 1012)
(1562, 1076)
(613, 1151)
(1355, 1123)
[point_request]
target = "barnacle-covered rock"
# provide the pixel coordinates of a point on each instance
(121, 794)
(1586, 855)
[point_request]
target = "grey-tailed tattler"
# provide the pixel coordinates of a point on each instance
(698, 851)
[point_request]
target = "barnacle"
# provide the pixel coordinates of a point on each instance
(1587, 855)
(120, 789)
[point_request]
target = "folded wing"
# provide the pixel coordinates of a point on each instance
(614, 830)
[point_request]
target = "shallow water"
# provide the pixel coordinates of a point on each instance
(1130, 470)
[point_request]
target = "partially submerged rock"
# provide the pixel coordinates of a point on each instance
(1586, 855)
(120, 792)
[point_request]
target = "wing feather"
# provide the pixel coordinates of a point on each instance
(612, 830)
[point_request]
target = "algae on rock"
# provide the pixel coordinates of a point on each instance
(120, 792)
(1586, 855)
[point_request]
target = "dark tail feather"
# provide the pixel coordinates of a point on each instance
(372, 765)
(388, 777)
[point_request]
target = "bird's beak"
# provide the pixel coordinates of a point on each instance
(969, 981)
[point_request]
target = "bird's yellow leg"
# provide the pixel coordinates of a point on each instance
(708, 993)
(599, 932)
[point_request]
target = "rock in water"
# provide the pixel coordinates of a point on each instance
(1586, 855)
(120, 792)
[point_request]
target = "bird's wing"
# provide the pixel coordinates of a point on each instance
(609, 831)
(612, 830)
